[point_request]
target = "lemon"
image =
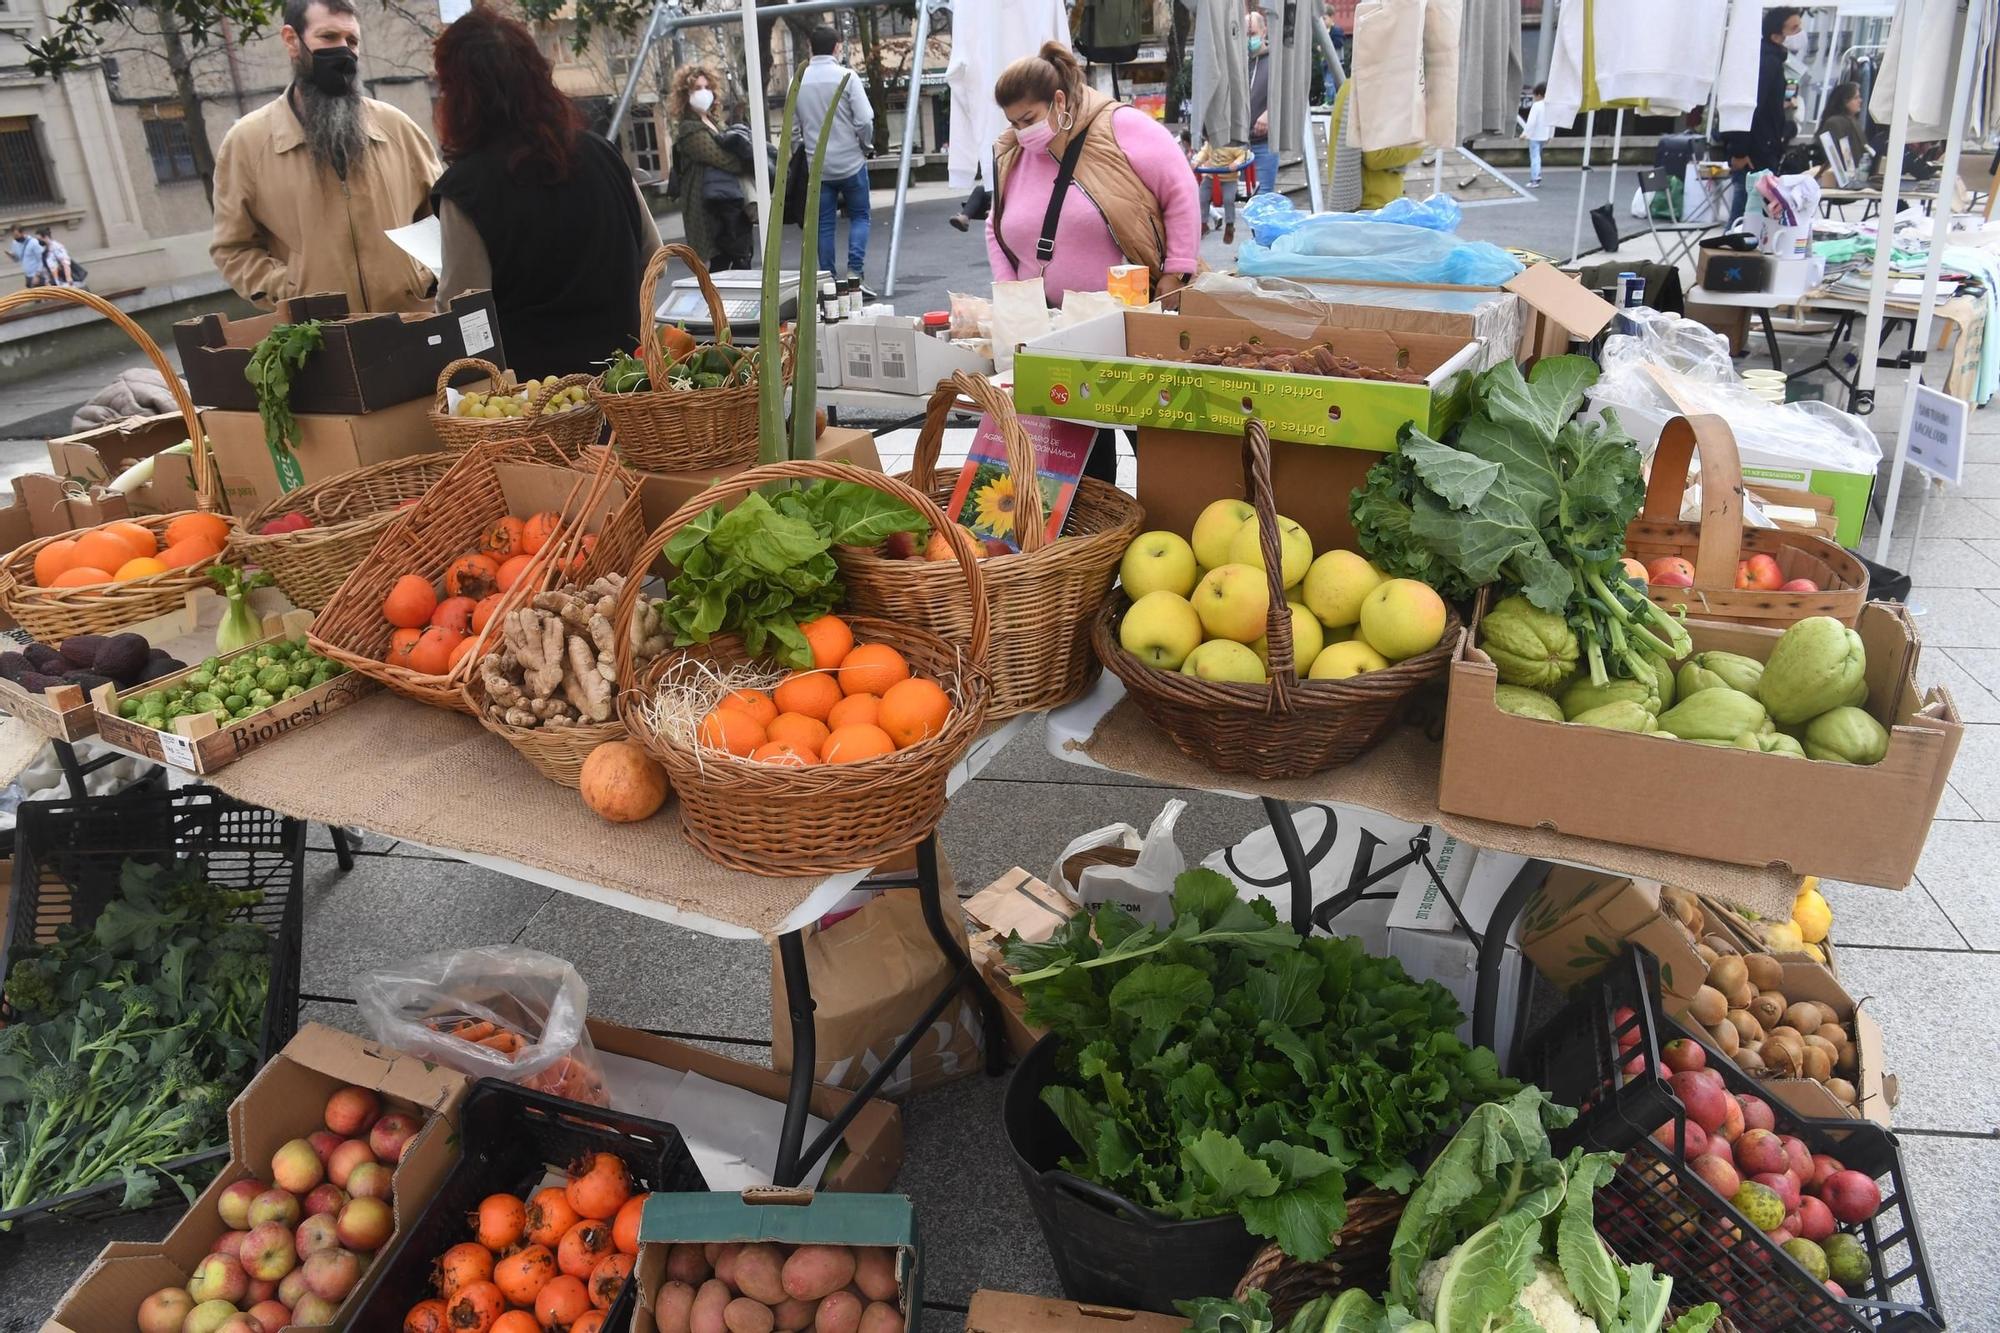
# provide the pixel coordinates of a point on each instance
(1810, 912)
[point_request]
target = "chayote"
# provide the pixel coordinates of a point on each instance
(1735, 670)
(1713, 715)
(1744, 742)
(1779, 743)
(1582, 696)
(1693, 678)
(1815, 666)
(1858, 696)
(1523, 702)
(1663, 677)
(1623, 715)
(1529, 646)
(1846, 736)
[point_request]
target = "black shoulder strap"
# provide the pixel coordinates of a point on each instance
(1045, 248)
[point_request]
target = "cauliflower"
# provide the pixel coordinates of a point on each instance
(1547, 1298)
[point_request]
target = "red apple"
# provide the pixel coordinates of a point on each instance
(316, 1233)
(296, 1167)
(240, 1323)
(1815, 1220)
(294, 1285)
(1850, 1196)
(219, 1277)
(1670, 571)
(1780, 1236)
(370, 1180)
(1757, 1113)
(311, 1309)
(326, 1198)
(270, 1315)
(261, 1290)
(1634, 571)
(1720, 1175)
(1683, 1055)
(1823, 1166)
(351, 1112)
(1761, 572)
(352, 1153)
(365, 1224)
(165, 1311)
(1695, 1144)
(331, 1274)
(1798, 585)
(234, 1202)
(1627, 1039)
(1781, 1184)
(323, 1141)
(1759, 1151)
(900, 546)
(229, 1242)
(275, 1205)
(1839, 1291)
(1798, 1157)
(1702, 1098)
(391, 1136)
(1732, 1120)
(268, 1252)
(1719, 1147)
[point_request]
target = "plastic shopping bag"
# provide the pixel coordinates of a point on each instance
(1115, 865)
(498, 1011)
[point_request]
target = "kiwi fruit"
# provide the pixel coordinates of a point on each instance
(1727, 1039)
(1740, 997)
(1748, 1030)
(1847, 1063)
(1727, 974)
(1708, 1006)
(1832, 1031)
(1768, 1008)
(1842, 1090)
(1722, 944)
(1818, 1064)
(1766, 972)
(1805, 1016)
(1749, 1061)
(1780, 1058)
(1708, 955)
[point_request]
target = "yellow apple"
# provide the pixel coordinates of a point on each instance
(1224, 660)
(1337, 584)
(1234, 602)
(1157, 561)
(1216, 528)
(1295, 548)
(1307, 639)
(1160, 629)
(1402, 618)
(1340, 660)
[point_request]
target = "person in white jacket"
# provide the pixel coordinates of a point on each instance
(1538, 132)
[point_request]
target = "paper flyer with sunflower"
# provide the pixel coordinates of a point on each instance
(987, 491)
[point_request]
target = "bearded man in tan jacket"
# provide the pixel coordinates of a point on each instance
(306, 186)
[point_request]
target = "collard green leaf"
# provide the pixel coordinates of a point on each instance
(1644, 1307)
(1587, 1266)
(1698, 1320)
(1157, 995)
(1224, 1172)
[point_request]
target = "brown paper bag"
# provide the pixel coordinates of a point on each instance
(873, 974)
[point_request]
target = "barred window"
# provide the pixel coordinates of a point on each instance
(24, 173)
(167, 142)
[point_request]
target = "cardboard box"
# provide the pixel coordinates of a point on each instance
(283, 1102)
(1565, 311)
(1015, 902)
(870, 1150)
(1496, 319)
(908, 360)
(1863, 824)
(367, 362)
(1181, 471)
(1731, 321)
(95, 457)
(1128, 368)
(1581, 920)
(1876, 1092)
(661, 493)
(777, 1216)
(329, 444)
(856, 340)
(61, 713)
(48, 506)
(1011, 1312)
(826, 358)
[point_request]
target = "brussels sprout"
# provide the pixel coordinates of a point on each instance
(203, 702)
(320, 677)
(234, 701)
(292, 692)
(274, 677)
(262, 698)
(201, 677)
(128, 708)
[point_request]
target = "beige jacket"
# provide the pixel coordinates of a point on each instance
(287, 226)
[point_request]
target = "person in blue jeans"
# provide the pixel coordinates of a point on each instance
(844, 178)
(1261, 151)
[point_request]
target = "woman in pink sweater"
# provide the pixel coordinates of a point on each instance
(1131, 199)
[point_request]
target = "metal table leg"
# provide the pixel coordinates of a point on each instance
(1771, 339)
(343, 850)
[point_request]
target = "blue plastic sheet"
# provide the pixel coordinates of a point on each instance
(1273, 215)
(1359, 247)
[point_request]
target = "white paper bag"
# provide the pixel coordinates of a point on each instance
(1020, 312)
(1115, 865)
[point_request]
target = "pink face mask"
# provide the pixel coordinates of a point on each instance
(1037, 135)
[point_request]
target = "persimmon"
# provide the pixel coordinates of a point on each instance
(461, 1266)
(549, 1216)
(499, 1224)
(830, 639)
(53, 560)
(538, 529)
(80, 576)
(675, 342)
(472, 576)
(432, 654)
(475, 1308)
(211, 528)
(517, 1321)
(484, 611)
(584, 1246)
(581, 556)
(101, 550)
(625, 1226)
(851, 745)
(754, 702)
(503, 539)
(786, 756)
(914, 710)
(813, 693)
(608, 1279)
(522, 1274)
(854, 710)
(454, 613)
(140, 540)
(426, 1317)
(511, 570)
(410, 603)
(561, 1303)
(871, 668)
(400, 644)
(798, 731)
(465, 645)
(590, 1321)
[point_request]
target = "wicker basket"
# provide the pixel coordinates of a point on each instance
(1042, 600)
(767, 819)
(557, 753)
(1289, 728)
(1715, 544)
(1360, 1258)
(348, 512)
(567, 431)
(54, 614)
(680, 430)
(449, 521)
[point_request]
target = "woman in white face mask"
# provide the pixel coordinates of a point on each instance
(709, 168)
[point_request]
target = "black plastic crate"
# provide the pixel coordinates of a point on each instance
(511, 1140)
(68, 856)
(1656, 1210)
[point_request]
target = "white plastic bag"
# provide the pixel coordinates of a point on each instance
(442, 1006)
(1115, 865)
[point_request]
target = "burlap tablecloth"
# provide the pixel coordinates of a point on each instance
(438, 778)
(1399, 778)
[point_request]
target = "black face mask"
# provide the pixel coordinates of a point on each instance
(334, 69)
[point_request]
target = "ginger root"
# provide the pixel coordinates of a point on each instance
(559, 659)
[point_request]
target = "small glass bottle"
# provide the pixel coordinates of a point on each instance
(829, 300)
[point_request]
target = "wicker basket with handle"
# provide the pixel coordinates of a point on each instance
(567, 430)
(54, 614)
(348, 512)
(769, 819)
(1043, 599)
(1289, 727)
(1360, 1258)
(1719, 540)
(677, 430)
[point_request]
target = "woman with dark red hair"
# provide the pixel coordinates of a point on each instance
(532, 205)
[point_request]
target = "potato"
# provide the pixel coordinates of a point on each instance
(838, 1313)
(709, 1252)
(758, 1273)
(725, 1262)
(817, 1271)
(875, 1272)
(706, 1314)
(1708, 1006)
(671, 1306)
(744, 1315)
(881, 1317)
(689, 1264)
(794, 1316)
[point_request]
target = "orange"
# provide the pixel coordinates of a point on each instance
(813, 693)
(789, 756)
(138, 568)
(871, 668)
(53, 559)
(185, 555)
(855, 709)
(731, 730)
(851, 745)
(80, 576)
(798, 731)
(830, 639)
(914, 710)
(755, 703)
(210, 527)
(141, 540)
(101, 550)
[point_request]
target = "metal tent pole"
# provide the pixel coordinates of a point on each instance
(915, 100)
(1617, 147)
(1545, 42)
(1582, 186)
(760, 132)
(1920, 339)
(1885, 221)
(631, 89)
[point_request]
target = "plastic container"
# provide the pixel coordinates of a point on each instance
(1107, 1249)
(1656, 1210)
(68, 856)
(514, 1142)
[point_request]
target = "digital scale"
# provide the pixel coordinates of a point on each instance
(742, 293)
